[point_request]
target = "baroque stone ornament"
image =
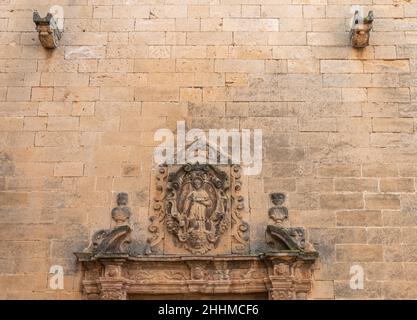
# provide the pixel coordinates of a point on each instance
(360, 29)
(49, 32)
(197, 203)
(157, 219)
(116, 239)
(196, 206)
(282, 271)
(279, 237)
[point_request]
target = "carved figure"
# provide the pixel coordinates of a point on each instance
(196, 207)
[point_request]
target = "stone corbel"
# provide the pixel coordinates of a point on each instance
(360, 29)
(49, 32)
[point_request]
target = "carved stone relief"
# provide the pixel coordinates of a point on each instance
(196, 207)
(280, 276)
(284, 271)
(240, 228)
(196, 204)
(278, 213)
(279, 237)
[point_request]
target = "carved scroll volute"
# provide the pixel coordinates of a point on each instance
(240, 228)
(156, 228)
(117, 239)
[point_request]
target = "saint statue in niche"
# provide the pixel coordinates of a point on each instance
(196, 205)
(278, 212)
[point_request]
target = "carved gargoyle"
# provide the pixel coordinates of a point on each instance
(49, 33)
(360, 29)
(116, 239)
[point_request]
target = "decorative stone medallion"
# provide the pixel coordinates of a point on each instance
(196, 204)
(197, 207)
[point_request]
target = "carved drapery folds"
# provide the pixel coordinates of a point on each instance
(49, 32)
(361, 29)
(197, 203)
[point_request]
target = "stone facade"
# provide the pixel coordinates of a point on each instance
(77, 128)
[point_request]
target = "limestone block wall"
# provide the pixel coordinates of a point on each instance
(339, 124)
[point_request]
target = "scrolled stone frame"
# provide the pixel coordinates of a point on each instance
(166, 193)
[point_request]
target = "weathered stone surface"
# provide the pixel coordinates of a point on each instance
(339, 126)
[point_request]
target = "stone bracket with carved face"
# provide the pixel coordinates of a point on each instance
(49, 33)
(197, 206)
